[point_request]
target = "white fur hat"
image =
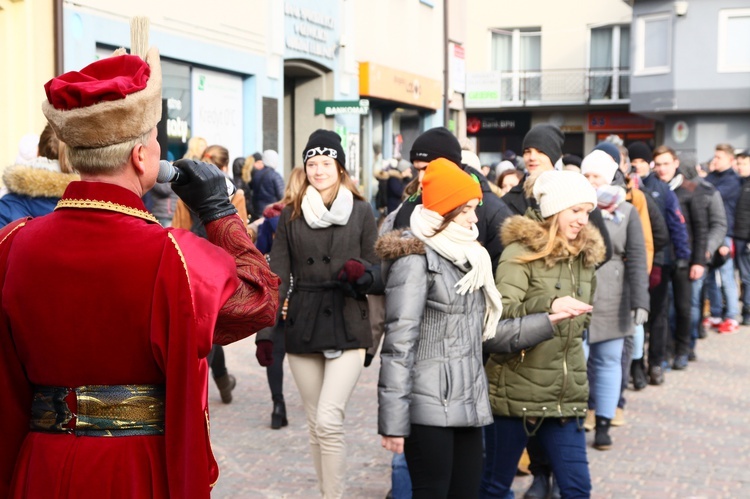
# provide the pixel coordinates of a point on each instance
(556, 191)
(601, 163)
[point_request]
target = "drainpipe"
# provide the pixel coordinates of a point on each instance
(58, 36)
(446, 61)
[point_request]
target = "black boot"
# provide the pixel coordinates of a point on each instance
(602, 440)
(226, 384)
(638, 372)
(278, 416)
(540, 487)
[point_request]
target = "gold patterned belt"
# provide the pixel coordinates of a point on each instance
(99, 410)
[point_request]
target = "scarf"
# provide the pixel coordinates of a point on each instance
(318, 216)
(460, 246)
(676, 182)
(609, 198)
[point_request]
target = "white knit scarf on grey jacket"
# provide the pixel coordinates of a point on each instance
(318, 216)
(459, 245)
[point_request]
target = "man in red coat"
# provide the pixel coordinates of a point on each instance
(106, 317)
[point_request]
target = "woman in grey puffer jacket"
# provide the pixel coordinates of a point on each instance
(441, 303)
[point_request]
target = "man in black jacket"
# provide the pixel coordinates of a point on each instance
(542, 148)
(492, 212)
(694, 201)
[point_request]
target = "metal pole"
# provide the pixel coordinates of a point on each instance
(446, 62)
(58, 36)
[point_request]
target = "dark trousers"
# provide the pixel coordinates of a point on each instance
(444, 462)
(564, 444)
(275, 372)
(659, 315)
(217, 362)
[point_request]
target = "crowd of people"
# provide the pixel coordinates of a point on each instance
(515, 303)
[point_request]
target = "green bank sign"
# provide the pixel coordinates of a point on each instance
(334, 107)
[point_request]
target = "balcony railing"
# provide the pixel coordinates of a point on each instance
(547, 87)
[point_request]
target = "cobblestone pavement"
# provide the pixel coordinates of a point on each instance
(689, 438)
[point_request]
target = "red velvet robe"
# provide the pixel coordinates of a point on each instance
(99, 293)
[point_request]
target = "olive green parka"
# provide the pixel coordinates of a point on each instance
(548, 380)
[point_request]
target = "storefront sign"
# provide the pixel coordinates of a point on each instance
(494, 123)
(217, 109)
(618, 121)
(391, 84)
(680, 132)
(483, 90)
(310, 31)
(334, 107)
(457, 67)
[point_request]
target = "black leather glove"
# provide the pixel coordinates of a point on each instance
(368, 359)
(204, 191)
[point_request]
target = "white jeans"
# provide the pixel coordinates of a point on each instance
(325, 386)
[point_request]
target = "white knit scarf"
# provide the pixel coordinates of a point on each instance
(318, 216)
(459, 245)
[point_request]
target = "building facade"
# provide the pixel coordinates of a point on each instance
(566, 63)
(691, 71)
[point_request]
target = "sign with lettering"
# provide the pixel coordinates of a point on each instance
(311, 31)
(399, 86)
(334, 107)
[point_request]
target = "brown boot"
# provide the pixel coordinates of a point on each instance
(226, 384)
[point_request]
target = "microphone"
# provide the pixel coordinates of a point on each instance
(168, 173)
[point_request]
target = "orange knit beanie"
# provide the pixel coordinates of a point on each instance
(445, 186)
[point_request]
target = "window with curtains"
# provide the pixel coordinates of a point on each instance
(517, 55)
(653, 44)
(734, 41)
(609, 63)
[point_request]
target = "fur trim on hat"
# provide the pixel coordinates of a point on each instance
(37, 182)
(530, 233)
(111, 122)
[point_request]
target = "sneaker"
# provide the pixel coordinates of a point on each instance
(540, 487)
(729, 326)
(711, 322)
(680, 362)
(619, 419)
(746, 319)
(637, 371)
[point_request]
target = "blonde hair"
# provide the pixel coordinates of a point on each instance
(294, 185)
(342, 179)
(63, 159)
(217, 155)
(556, 243)
(107, 159)
(196, 148)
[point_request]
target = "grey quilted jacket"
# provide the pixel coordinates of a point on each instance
(432, 370)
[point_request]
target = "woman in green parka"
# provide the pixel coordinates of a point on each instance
(547, 266)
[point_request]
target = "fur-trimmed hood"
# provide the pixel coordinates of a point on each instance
(397, 243)
(529, 232)
(36, 182)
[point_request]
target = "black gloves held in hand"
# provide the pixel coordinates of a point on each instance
(264, 352)
(204, 191)
(356, 277)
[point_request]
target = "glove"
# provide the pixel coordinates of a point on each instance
(654, 278)
(352, 271)
(368, 359)
(640, 316)
(363, 283)
(204, 191)
(264, 352)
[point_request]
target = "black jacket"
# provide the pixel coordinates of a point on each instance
(694, 201)
(491, 213)
(518, 203)
(742, 214)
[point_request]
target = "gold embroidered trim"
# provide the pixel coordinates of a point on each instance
(12, 231)
(182, 257)
(106, 205)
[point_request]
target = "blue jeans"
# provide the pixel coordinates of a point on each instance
(400, 479)
(728, 285)
(563, 442)
(696, 308)
(605, 376)
(742, 259)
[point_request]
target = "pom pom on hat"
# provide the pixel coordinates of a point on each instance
(556, 191)
(468, 158)
(601, 163)
(324, 143)
(436, 143)
(445, 187)
(639, 150)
